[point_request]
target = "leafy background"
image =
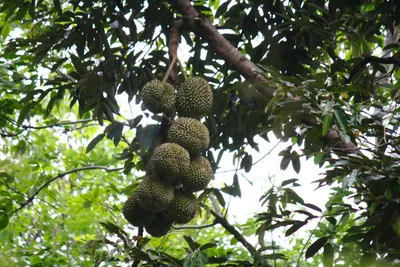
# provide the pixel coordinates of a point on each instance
(70, 156)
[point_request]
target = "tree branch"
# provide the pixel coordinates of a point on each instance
(61, 123)
(202, 26)
(183, 227)
(61, 175)
(372, 59)
(231, 229)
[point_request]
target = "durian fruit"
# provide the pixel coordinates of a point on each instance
(134, 213)
(199, 175)
(194, 98)
(158, 96)
(189, 133)
(170, 161)
(183, 207)
(154, 195)
(159, 226)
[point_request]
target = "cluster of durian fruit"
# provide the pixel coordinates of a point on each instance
(176, 169)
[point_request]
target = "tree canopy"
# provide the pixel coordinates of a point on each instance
(322, 76)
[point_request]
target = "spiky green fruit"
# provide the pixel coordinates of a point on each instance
(199, 175)
(170, 161)
(154, 195)
(183, 207)
(134, 213)
(159, 226)
(158, 96)
(194, 98)
(190, 134)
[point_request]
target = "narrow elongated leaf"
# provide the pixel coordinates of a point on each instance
(312, 206)
(94, 142)
(328, 255)
(326, 125)
(285, 162)
(3, 219)
(207, 246)
(192, 245)
(57, 6)
(315, 247)
(289, 181)
(340, 117)
(296, 162)
(294, 228)
(5, 31)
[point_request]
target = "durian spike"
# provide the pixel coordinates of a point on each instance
(169, 69)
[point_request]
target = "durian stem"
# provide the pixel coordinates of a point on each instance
(173, 61)
(182, 69)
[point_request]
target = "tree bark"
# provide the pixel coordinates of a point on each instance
(202, 26)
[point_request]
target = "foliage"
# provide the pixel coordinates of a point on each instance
(72, 151)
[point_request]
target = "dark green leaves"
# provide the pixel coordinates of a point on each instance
(315, 247)
(114, 132)
(3, 219)
(94, 142)
(328, 255)
(234, 189)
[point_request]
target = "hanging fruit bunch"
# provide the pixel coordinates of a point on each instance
(176, 169)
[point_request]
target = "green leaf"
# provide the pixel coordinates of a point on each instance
(328, 255)
(234, 189)
(312, 206)
(192, 245)
(246, 163)
(138, 254)
(207, 246)
(24, 113)
(6, 204)
(3, 219)
(328, 107)
(296, 162)
(289, 181)
(198, 259)
(285, 162)
(79, 66)
(340, 117)
(5, 31)
(146, 137)
(294, 228)
(114, 132)
(94, 142)
(326, 125)
(57, 6)
(222, 9)
(315, 247)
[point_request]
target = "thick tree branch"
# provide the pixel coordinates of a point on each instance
(203, 27)
(61, 175)
(173, 43)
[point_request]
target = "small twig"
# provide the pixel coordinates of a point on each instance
(269, 152)
(32, 197)
(62, 123)
(193, 226)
